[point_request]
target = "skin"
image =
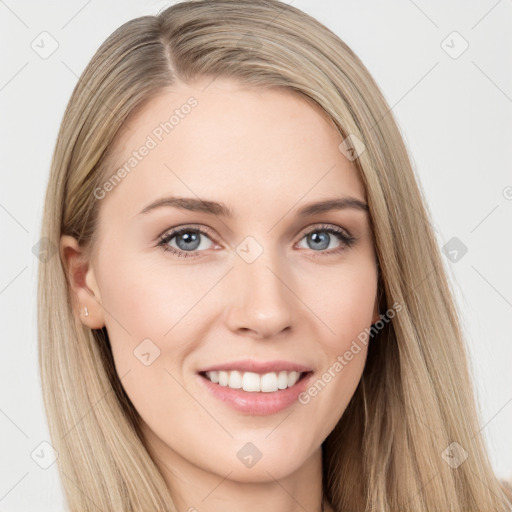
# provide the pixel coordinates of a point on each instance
(264, 154)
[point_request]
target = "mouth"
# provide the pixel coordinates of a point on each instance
(252, 382)
(256, 388)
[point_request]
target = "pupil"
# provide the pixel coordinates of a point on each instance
(315, 237)
(188, 238)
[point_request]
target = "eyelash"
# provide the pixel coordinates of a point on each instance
(346, 239)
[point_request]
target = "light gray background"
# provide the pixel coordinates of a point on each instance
(455, 116)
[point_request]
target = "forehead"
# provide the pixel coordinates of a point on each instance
(226, 141)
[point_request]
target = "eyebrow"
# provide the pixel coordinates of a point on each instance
(220, 209)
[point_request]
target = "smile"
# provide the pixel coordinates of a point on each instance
(256, 388)
(254, 382)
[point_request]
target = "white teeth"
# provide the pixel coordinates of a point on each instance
(293, 377)
(254, 382)
(223, 378)
(282, 380)
(269, 382)
(251, 381)
(235, 380)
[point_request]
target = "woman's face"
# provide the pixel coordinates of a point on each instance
(265, 290)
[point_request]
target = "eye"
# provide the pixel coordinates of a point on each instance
(319, 238)
(188, 240)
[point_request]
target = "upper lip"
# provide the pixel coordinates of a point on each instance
(248, 365)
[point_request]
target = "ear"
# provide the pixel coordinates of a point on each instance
(82, 281)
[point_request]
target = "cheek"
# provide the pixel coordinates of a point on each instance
(346, 305)
(147, 298)
(152, 317)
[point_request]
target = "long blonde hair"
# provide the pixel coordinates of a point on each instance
(415, 397)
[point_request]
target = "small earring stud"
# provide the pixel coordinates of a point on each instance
(86, 311)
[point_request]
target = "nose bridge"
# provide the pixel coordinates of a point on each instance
(263, 302)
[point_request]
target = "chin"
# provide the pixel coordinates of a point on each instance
(262, 472)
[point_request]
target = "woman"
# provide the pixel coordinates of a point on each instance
(208, 354)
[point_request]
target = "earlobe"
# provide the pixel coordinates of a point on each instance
(83, 288)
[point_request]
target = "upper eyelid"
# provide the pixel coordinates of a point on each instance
(177, 229)
(324, 225)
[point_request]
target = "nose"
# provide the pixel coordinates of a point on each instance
(262, 302)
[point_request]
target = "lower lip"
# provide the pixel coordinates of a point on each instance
(258, 403)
